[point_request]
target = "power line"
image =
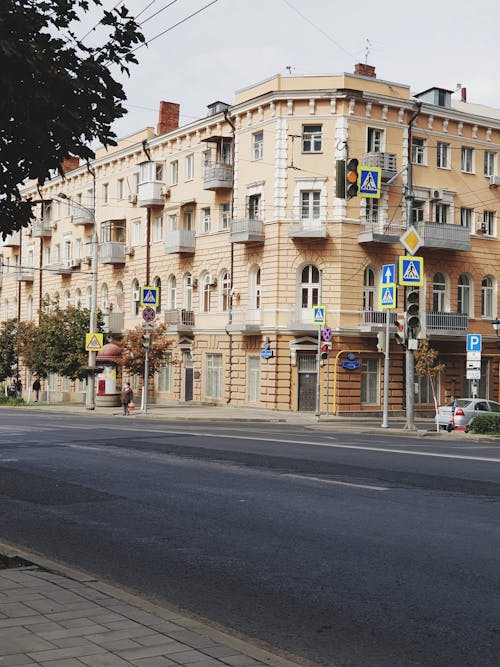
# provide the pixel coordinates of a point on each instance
(158, 12)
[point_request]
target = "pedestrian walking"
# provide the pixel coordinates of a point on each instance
(127, 396)
(19, 388)
(36, 388)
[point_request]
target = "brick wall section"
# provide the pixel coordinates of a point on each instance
(168, 118)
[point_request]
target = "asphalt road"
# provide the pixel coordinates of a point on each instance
(342, 548)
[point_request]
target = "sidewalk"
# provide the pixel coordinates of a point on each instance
(54, 616)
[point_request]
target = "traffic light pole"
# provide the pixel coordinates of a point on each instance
(318, 363)
(385, 416)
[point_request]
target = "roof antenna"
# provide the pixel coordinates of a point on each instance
(367, 50)
(289, 68)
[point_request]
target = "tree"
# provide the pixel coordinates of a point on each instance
(133, 351)
(58, 94)
(8, 349)
(427, 365)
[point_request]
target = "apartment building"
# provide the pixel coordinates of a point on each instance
(236, 219)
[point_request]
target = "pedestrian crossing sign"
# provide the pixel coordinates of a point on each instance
(411, 270)
(370, 180)
(318, 315)
(94, 342)
(387, 297)
(149, 296)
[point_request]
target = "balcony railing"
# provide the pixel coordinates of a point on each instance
(25, 275)
(300, 321)
(217, 176)
(151, 193)
(180, 241)
(308, 228)
(112, 252)
(442, 235)
(11, 241)
(385, 161)
(245, 320)
(41, 228)
(179, 320)
(375, 231)
(373, 320)
(83, 216)
(446, 324)
(248, 230)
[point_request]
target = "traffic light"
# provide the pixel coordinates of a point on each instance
(401, 333)
(146, 340)
(413, 312)
(340, 179)
(381, 341)
(351, 178)
(324, 350)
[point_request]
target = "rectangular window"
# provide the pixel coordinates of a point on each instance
(374, 140)
(369, 381)
(441, 213)
(213, 376)
(424, 395)
(205, 220)
(174, 172)
(253, 379)
(309, 204)
(135, 183)
(418, 150)
(157, 231)
(105, 193)
(312, 139)
(467, 160)
(417, 212)
(188, 220)
(189, 167)
(120, 190)
(371, 211)
(165, 374)
(443, 155)
(489, 163)
(136, 232)
(254, 207)
(257, 145)
(172, 222)
(466, 217)
(488, 226)
(225, 215)
(159, 171)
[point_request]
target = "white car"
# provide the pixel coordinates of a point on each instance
(465, 411)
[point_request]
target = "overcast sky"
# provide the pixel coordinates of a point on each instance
(234, 43)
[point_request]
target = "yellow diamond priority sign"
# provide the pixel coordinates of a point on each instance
(411, 240)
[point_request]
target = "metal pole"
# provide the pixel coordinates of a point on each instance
(147, 342)
(318, 362)
(386, 373)
(90, 396)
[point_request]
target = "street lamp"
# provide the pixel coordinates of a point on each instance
(90, 394)
(496, 326)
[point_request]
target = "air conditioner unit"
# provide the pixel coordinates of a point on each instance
(129, 250)
(136, 295)
(73, 263)
(494, 181)
(165, 191)
(132, 198)
(436, 194)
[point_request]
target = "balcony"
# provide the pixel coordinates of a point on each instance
(446, 324)
(309, 228)
(299, 321)
(113, 322)
(11, 241)
(375, 231)
(372, 320)
(247, 231)
(179, 320)
(41, 228)
(218, 176)
(112, 252)
(180, 241)
(151, 193)
(82, 216)
(442, 235)
(245, 321)
(384, 161)
(64, 267)
(25, 275)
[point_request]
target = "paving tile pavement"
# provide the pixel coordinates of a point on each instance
(67, 619)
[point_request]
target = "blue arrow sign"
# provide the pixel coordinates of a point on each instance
(388, 274)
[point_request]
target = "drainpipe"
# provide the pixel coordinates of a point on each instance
(231, 267)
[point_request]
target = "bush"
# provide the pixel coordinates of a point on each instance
(489, 423)
(9, 400)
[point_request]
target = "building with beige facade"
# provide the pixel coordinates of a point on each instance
(236, 219)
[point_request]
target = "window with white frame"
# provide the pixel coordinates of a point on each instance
(189, 167)
(466, 217)
(66, 299)
(206, 292)
(157, 228)
(370, 381)
(310, 204)
(174, 172)
(104, 300)
(312, 138)
(467, 160)
(78, 249)
(254, 206)
(374, 140)
(487, 297)
(488, 226)
(165, 374)
(213, 375)
(253, 379)
(135, 183)
(120, 188)
(205, 220)
(439, 293)
(372, 211)
(136, 232)
(255, 288)
(463, 294)
(419, 150)
(135, 298)
(443, 155)
(417, 212)
(78, 298)
(441, 213)
(224, 291)
(67, 249)
(257, 145)
(187, 292)
(188, 219)
(309, 287)
(171, 292)
(88, 297)
(105, 193)
(489, 164)
(29, 308)
(369, 290)
(171, 222)
(225, 215)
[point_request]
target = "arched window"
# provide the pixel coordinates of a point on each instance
(487, 297)
(88, 297)
(206, 290)
(6, 309)
(46, 303)
(29, 308)
(120, 297)
(135, 298)
(187, 292)
(255, 288)
(438, 293)
(368, 290)
(157, 284)
(224, 291)
(463, 295)
(78, 298)
(171, 292)
(104, 301)
(309, 289)
(67, 299)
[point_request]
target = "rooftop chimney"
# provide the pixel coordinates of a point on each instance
(463, 94)
(70, 163)
(168, 118)
(364, 70)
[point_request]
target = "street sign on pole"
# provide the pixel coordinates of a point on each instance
(411, 270)
(388, 274)
(148, 314)
(327, 334)
(318, 315)
(474, 342)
